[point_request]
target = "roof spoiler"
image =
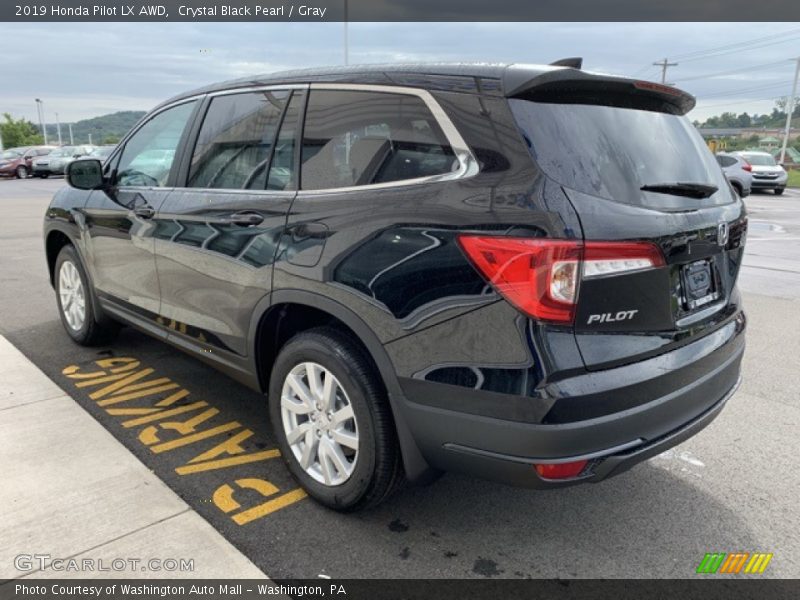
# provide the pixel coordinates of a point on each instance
(571, 86)
(575, 62)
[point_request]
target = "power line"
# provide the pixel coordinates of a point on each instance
(742, 102)
(738, 91)
(732, 71)
(729, 48)
(754, 47)
(736, 45)
(664, 66)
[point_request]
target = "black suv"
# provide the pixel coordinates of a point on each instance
(524, 273)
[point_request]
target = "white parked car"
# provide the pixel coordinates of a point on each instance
(767, 174)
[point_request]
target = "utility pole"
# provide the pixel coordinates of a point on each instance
(40, 111)
(71, 141)
(58, 128)
(90, 139)
(346, 37)
(790, 110)
(664, 64)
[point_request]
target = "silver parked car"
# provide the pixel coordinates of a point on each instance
(738, 171)
(56, 162)
(767, 174)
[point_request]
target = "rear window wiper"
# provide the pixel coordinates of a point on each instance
(692, 190)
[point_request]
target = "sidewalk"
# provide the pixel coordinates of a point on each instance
(70, 490)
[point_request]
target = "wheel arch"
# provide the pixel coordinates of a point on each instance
(306, 310)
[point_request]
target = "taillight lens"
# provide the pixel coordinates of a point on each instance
(541, 276)
(538, 276)
(747, 167)
(613, 258)
(561, 470)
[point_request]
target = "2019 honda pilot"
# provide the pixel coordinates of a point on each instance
(525, 273)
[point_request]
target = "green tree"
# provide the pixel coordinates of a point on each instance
(111, 139)
(19, 132)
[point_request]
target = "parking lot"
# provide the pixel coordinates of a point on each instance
(734, 487)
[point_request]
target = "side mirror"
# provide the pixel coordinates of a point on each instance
(85, 174)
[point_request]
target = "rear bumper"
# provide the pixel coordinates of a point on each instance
(505, 450)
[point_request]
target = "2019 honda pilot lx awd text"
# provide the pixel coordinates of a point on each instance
(524, 273)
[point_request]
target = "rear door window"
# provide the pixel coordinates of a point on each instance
(611, 152)
(235, 142)
(357, 138)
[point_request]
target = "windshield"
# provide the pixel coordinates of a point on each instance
(613, 152)
(9, 154)
(761, 160)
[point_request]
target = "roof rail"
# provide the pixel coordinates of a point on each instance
(576, 62)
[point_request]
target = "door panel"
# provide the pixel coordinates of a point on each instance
(119, 225)
(215, 240)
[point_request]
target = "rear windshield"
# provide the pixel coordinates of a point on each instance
(612, 152)
(760, 160)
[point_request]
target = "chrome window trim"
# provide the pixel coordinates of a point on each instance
(468, 164)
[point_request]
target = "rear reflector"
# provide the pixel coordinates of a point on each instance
(562, 470)
(541, 276)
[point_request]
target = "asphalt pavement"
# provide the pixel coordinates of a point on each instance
(733, 487)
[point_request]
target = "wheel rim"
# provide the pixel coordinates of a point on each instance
(23, 172)
(319, 423)
(71, 293)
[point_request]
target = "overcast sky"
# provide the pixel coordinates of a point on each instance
(88, 69)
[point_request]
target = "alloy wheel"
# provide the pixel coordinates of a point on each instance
(72, 295)
(319, 423)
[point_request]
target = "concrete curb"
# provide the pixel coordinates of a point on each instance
(72, 491)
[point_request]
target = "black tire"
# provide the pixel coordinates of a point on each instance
(21, 172)
(738, 189)
(778, 191)
(378, 471)
(44, 176)
(94, 331)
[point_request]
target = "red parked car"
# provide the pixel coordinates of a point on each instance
(16, 162)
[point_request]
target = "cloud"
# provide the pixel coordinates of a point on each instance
(85, 69)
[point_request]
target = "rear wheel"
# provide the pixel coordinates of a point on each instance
(778, 191)
(22, 172)
(74, 298)
(332, 421)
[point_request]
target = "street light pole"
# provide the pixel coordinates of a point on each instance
(71, 141)
(58, 128)
(40, 111)
(789, 111)
(346, 37)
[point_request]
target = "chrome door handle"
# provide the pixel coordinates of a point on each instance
(144, 212)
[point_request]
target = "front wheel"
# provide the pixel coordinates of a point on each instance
(22, 172)
(73, 295)
(332, 421)
(778, 191)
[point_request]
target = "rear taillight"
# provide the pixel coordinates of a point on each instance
(541, 276)
(747, 167)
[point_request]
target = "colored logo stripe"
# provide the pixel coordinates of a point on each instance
(734, 562)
